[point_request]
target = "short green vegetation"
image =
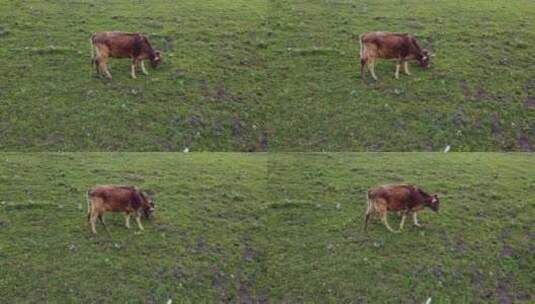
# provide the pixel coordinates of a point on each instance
(262, 75)
(275, 228)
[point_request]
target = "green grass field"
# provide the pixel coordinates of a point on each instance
(267, 228)
(477, 249)
(205, 96)
(267, 75)
(477, 96)
(200, 246)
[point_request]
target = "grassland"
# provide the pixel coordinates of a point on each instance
(477, 96)
(198, 249)
(267, 75)
(477, 249)
(267, 228)
(204, 96)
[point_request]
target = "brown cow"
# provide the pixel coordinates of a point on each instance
(109, 198)
(400, 46)
(407, 199)
(122, 45)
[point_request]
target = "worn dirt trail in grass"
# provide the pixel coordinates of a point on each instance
(266, 228)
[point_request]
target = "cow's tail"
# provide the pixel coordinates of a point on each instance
(369, 210)
(362, 55)
(88, 199)
(94, 54)
(361, 36)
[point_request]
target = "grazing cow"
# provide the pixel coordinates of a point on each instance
(122, 45)
(407, 199)
(400, 46)
(130, 200)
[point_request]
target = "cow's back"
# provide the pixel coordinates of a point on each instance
(387, 44)
(118, 44)
(397, 197)
(116, 198)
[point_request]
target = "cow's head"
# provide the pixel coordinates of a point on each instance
(425, 58)
(148, 204)
(433, 202)
(156, 58)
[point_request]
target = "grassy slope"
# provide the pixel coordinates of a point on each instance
(234, 227)
(252, 75)
(478, 95)
(199, 247)
(204, 96)
(477, 249)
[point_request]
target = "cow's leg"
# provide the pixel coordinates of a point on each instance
(384, 218)
(368, 216)
(371, 67)
(366, 220)
(362, 68)
(103, 66)
(415, 219)
(398, 66)
(93, 221)
(101, 59)
(95, 57)
(403, 216)
(133, 69)
(138, 221)
(370, 210)
(127, 224)
(96, 63)
(143, 68)
(406, 67)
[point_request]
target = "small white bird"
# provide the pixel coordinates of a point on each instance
(186, 150)
(447, 149)
(169, 301)
(429, 299)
